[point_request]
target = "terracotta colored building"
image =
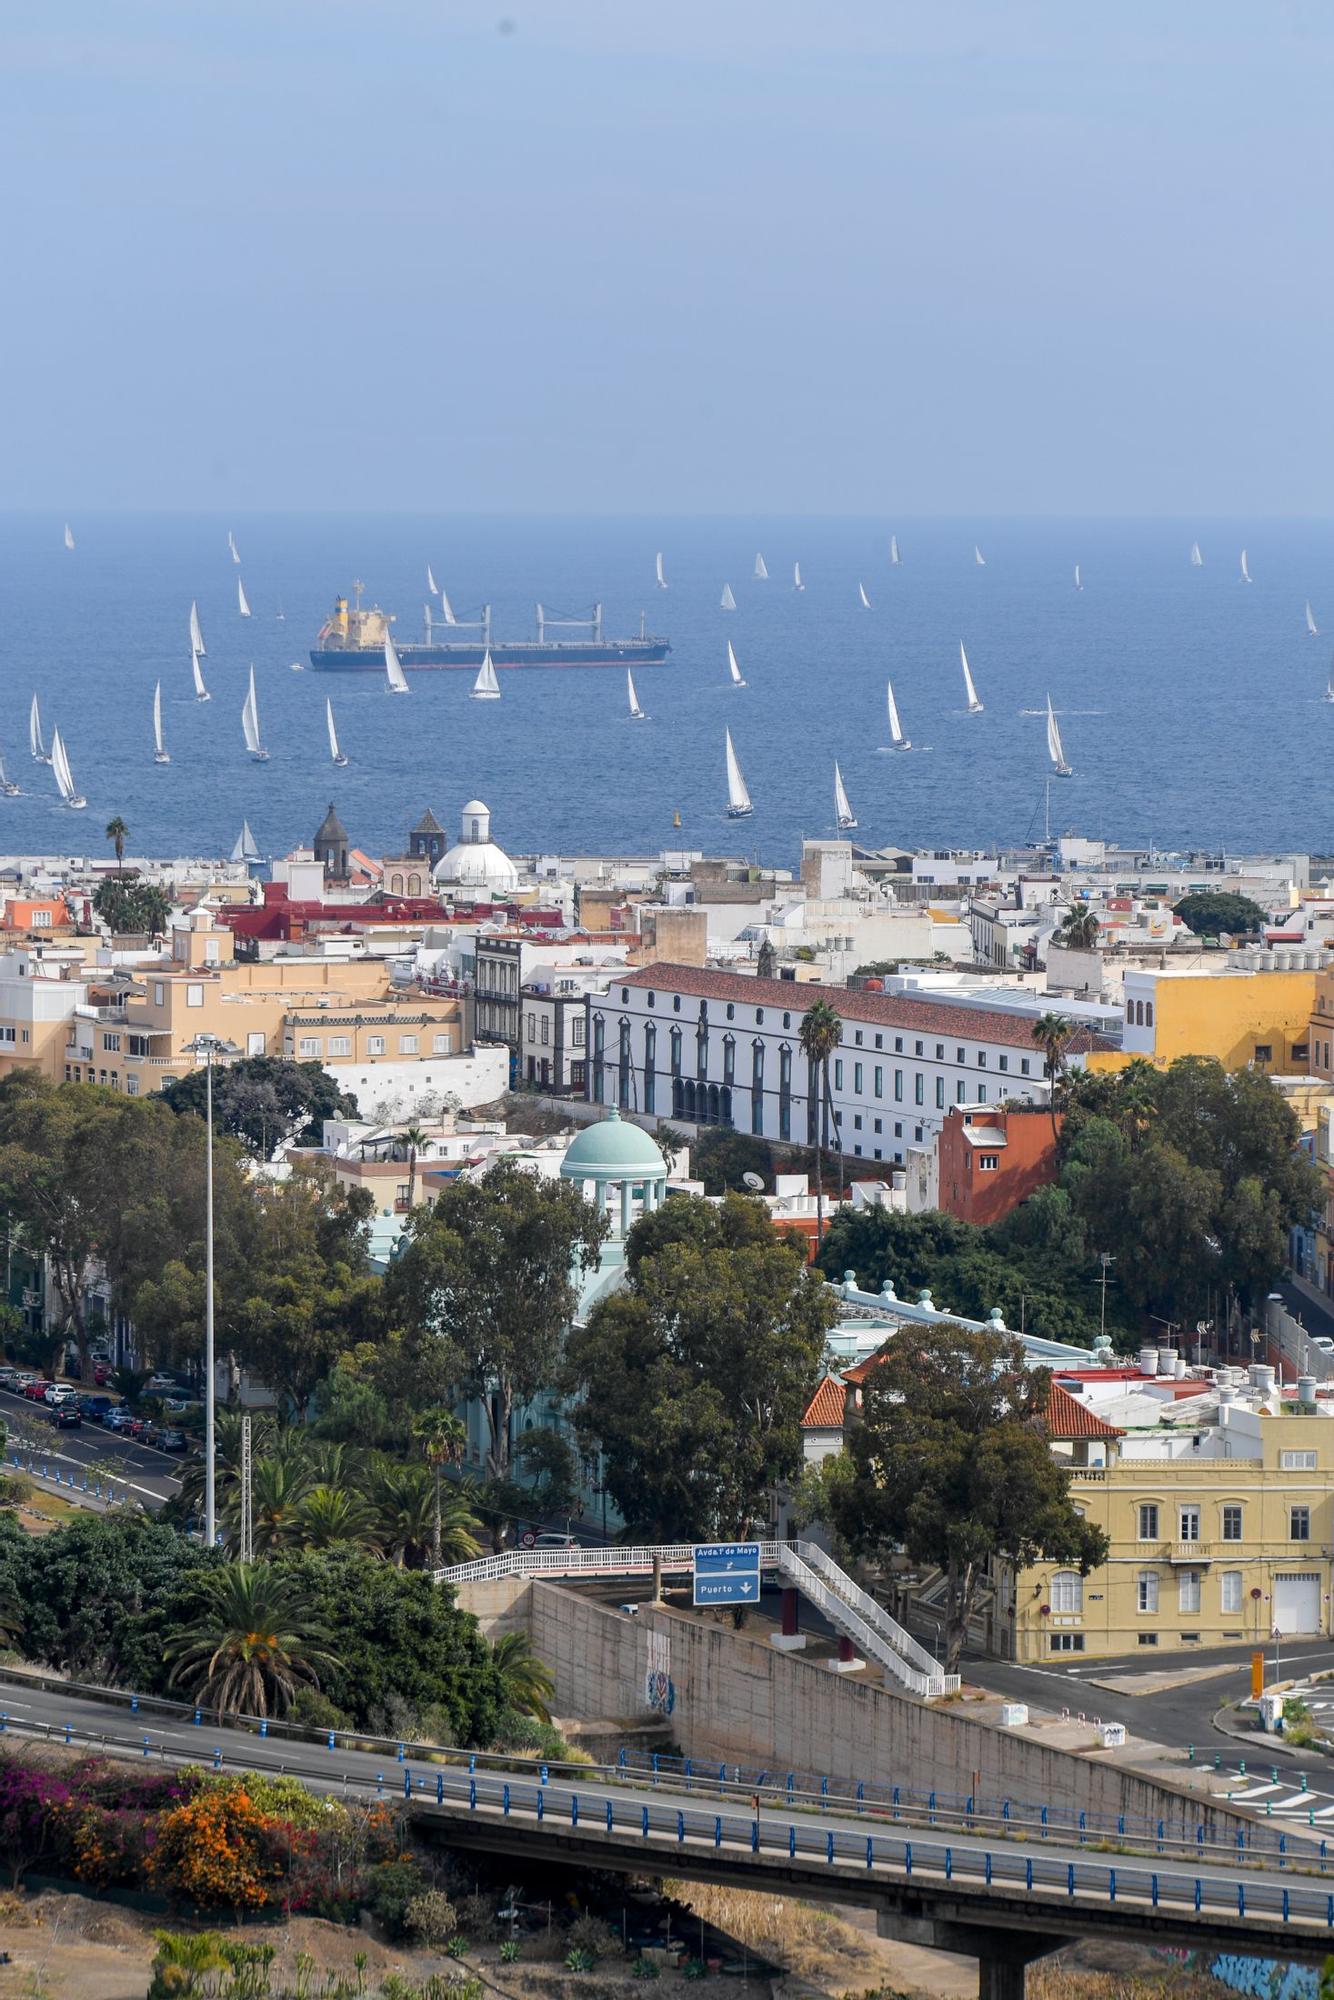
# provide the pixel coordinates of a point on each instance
(992, 1159)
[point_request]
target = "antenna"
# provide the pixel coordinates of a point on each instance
(755, 1182)
(247, 1506)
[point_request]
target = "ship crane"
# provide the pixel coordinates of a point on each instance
(480, 624)
(592, 624)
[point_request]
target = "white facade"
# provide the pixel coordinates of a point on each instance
(418, 1089)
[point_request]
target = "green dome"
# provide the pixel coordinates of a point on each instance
(613, 1150)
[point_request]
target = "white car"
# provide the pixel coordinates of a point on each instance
(57, 1393)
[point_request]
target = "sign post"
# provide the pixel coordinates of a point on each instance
(727, 1573)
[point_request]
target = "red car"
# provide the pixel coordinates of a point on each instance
(36, 1391)
(102, 1373)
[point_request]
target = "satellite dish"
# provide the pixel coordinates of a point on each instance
(755, 1182)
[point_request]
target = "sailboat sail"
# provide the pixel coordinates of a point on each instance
(974, 705)
(334, 750)
(978, 557)
(843, 813)
(250, 724)
(1311, 625)
(1196, 559)
(7, 786)
(398, 680)
(64, 777)
(1055, 749)
(861, 592)
(894, 556)
(69, 538)
(1079, 585)
(797, 583)
(636, 712)
(738, 798)
(727, 600)
(245, 848)
(662, 581)
(1245, 572)
(431, 583)
(160, 755)
(486, 687)
(761, 570)
(242, 603)
(732, 667)
(896, 736)
(232, 548)
(35, 743)
(201, 692)
(446, 608)
(197, 633)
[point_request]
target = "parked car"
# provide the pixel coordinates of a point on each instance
(59, 1392)
(66, 1417)
(35, 1391)
(161, 1384)
(96, 1407)
(118, 1418)
(171, 1440)
(9, 1378)
(555, 1542)
(102, 1373)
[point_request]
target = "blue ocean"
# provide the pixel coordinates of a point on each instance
(1190, 703)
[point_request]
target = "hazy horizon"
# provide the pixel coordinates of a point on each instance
(674, 259)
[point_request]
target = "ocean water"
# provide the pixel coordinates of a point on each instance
(1190, 704)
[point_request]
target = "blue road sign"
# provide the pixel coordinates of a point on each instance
(727, 1573)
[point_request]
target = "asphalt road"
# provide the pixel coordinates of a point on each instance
(151, 1476)
(597, 1809)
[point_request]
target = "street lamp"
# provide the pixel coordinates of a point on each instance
(209, 1046)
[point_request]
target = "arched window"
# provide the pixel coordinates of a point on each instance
(1067, 1591)
(623, 1068)
(757, 1087)
(1148, 1013)
(650, 1067)
(785, 1092)
(676, 1052)
(677, 1097)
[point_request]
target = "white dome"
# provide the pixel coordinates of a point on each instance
(478, 864)
(475, 806)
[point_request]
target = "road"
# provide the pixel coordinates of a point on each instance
(151, 1476)
(988, 1887)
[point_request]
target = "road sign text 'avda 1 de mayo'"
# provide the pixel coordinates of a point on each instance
(727, 1573)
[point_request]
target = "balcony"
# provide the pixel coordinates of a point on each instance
(1196, 1554)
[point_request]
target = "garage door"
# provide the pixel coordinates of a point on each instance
(1297, 1602)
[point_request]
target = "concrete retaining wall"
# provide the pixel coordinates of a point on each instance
(736, 1699)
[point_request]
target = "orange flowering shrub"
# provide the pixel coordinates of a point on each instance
(108, 1848)
(217, 1851)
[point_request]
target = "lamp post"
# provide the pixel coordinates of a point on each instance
(209, 1046)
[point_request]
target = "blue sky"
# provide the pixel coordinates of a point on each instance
(698, 256)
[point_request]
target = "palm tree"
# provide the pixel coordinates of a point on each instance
(1137, 1099)
(1080, 931)
(414, 1139)
(278, 1485)
(402, 1501)
(1053, 1033)
(252, 1643)
(118, 833)
(443, 1437)
(820, 1034)
(330, 1516)
(190, 1500)
(529, 1683)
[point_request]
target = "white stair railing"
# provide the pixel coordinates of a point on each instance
(846, 1620)
(874, 1613)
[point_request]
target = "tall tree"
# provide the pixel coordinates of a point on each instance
(1211, 912)
(1080, 930)
(132, 907)
(490, 1270)
(414, 1138)
(443, 1438)
(266, 1102)
(820, 1034)
(118, 833)
(692, 1379)
(252, 1642)
(948, 1462)
(1053, 1034)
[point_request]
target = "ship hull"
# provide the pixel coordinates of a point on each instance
(468, 655)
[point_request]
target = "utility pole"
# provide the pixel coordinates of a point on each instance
(209, 1046)
(247, 1498)
(1106, 1262)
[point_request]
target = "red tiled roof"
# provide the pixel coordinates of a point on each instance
(1066, 1418)
(978, 1024)
(824, 1412)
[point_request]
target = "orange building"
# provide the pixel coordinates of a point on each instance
(992, 1159)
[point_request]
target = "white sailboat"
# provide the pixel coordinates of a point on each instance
(974, 705)
(738, 798)
(446, 608)
(894, 556)
(727, 600)
(245, 848)
(69, 538)
(1196, 559)
(1329, 683)
(201, 692)
(280, 615)
(296, 666)
(232, 548)
(761, 570)
(1079, 584)
(1245, 576)
(197, 633)
(161, 755)
(250, 724)
(636, 712)
(897, 739)
(662, 581)
(486, 687)
(797, 583)
(1311, 625)
(431, 583)
(978, 557)
(8, 789)
(35, 743)
(398, 680)
(242, 603)
(844, 816)
(1054, 747)
(334, 750)
(64, 777)
(732, 667)
(865, 600)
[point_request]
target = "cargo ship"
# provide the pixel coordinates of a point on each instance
(352, 640)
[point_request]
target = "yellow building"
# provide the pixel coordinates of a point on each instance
(1221, 1529)
(1239, 1015)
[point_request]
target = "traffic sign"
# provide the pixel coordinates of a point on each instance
(727, 1573)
